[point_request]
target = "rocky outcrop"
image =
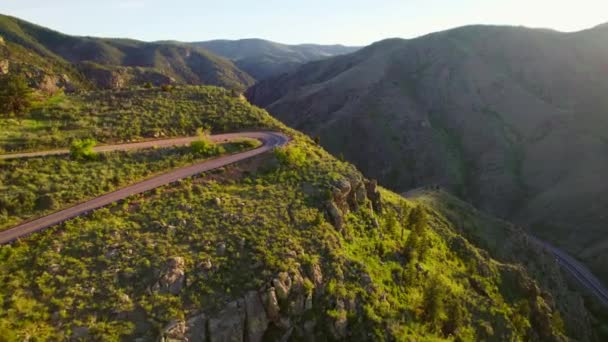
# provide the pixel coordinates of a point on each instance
(4, 54)
(339, 325)
(349, 195)
(374, 195)
(173, 277)
(335, 216)
(229, 324)
(194, 330)
(4, 66)
(114, 77)
(256, 318)
(280, 304)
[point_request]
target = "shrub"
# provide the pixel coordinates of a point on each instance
(291, 156)
(83, 149)
(45, 202)
(204, 146)
(15, 95)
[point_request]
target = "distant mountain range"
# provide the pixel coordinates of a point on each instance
(514, 120)
(262, 58)
(52, 60)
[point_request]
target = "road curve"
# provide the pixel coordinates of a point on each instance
(270, 140)
(170, 142)
(577, 270)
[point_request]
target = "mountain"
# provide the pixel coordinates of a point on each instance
(292, 245)
(511, 119)
(263, 59)
(51, 59)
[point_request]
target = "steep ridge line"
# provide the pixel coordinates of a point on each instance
(269, 140)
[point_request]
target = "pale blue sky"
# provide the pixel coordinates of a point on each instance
(353, 22)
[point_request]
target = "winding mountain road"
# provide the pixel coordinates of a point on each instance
(577, 270)
(269, 140)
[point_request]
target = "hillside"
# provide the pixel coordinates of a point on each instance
(263, 59)
(53, 60)
(510, 119)
(292, 245)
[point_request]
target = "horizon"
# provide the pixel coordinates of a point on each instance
(340, 28)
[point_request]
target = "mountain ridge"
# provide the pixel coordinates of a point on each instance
(116, 62)
(263, 58)
(488, 112)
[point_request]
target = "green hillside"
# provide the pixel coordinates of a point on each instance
(291, 245)
(54, 60)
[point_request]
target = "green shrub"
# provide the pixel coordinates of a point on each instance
(45, 202)
(291, 156)
(204, 146)
(15, 95)
(83, 149)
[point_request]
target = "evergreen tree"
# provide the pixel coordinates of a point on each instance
(15, 95)
(434, 295)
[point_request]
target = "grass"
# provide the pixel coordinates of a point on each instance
(391, 275)
(129, 115)
(38, 186)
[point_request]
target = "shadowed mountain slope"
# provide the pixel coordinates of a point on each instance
(511, 119)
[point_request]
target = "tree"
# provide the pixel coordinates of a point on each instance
(83, 149)
(416, 241)
(418, 220)
(404, 212)
(433, 302)
(15, 94)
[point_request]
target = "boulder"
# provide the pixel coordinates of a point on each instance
(194, 330)
(273, 310)
(256, 319)
(340, 324)
(317, 276)
(173, 276)
(80, 333)
(221, 249)
(335, 216)
(373, 195)
(308, 302)
(229, 324)
(4, 67)
(174, 331)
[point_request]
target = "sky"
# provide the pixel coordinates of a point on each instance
(349, 22)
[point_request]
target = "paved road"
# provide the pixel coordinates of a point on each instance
(577, 270)
(132, 146)
(270, 140)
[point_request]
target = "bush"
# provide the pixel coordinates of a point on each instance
(15, 95)
(291, 156)
(83, 149)
(204, 146)
(45, 202)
